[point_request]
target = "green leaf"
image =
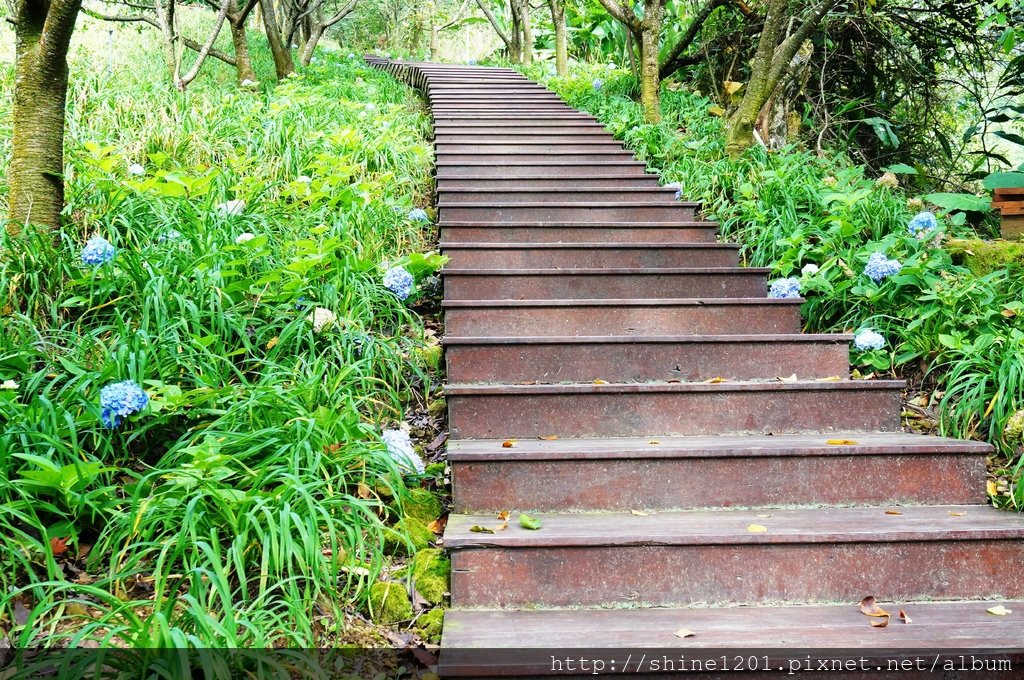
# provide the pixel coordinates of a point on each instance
(901, 169)
(527, 522)
(968, 202)
(1002, 180)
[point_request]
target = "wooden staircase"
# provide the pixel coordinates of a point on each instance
(590, 320)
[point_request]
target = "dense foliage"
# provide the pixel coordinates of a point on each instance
(820, 220)
(193, 403)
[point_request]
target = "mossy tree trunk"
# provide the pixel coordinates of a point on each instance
(318, 25)
(646, 32)
(527, 29)
(36, 172)
(561, 50)
(243, 61)
(283, 63)
(772, 59)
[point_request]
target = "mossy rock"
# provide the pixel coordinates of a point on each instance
(407, 530)
(389, 604)
(430, 625)
(435, 470)
(431, 572)
(422, 505)
(985, 257)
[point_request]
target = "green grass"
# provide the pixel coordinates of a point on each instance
(248, 504)
(960, 331)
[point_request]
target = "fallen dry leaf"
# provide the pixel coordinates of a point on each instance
(272, 343)
(549, 438)
(879, 623)
(757, 528)
(363, 490)
(904, 618)
(841, 442)
(831, 378)
(715, 380)
(685, 633)
(991, 488)
(600, 382)
(790, 379)
(956, 513)
(869, 607)
(504, 514)
(438, 525)
(731, 86)
(638, 513)
(58, 546)
(1008, 313)
(893, 512)
(509, 443)
(477, 529)
(999, 610)
(654, 441)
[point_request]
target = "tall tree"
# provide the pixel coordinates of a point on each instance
(646, 32)
(317, 21)
(36, 173)
(557, 8)
(284, 65)
(771, 61)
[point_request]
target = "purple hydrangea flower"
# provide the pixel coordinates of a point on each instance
(398, 281)
(97, 251)
(867, 340)
(598, 83)
(121, 399)
(921, 224)
(785, 288)
(880, 267)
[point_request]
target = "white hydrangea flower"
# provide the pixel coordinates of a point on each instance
(400, 448)
(248, 83)
(321, 317)
(136, 169)
(9, 385)
(809, 269)
(244, 237)
(305, 179)
(231, 208)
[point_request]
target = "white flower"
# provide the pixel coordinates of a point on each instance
(400, 447)
(868, 339)
(136, 169)
(231, 208)
(244, 237)
(248, 83)
(321, 318)
(809, 269)
(8, 385)
(305, 179)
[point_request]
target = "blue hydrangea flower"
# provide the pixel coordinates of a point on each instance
(471, 62)
(121, 399)
(400, 449)
(419, 215)
(398, 281)
(598, 83)
(880, 267)
(97, 251)
(171, 235)
(785, 288)
(922, 223)
(868, 339)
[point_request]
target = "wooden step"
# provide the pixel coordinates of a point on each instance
(656, 195)
(646, 409)
(707, 472)
(529, 135)
(600, 232)
(603, 283)
(631, 358)
(712, 557)
(546, 181)
(526, 156)
(516, 318)
(445, 148)
(491, 643)
(510, 125)
(589, 255)
(624, 211)
(523, 169)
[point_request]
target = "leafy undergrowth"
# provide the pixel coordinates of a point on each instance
(194, 408)
(957, 334)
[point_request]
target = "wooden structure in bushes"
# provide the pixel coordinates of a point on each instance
(1010, 203)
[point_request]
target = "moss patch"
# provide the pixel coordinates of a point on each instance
(422, 505)
(389, 603)
(395, 538)
(431, 624)
(431, 572)
(985, 257)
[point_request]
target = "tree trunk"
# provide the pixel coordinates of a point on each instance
(516, 55)
(561, 52)
(433, 42)
(740, 131)
(527, 33)
(316, 32)
(36, 172)
(283, 64)
(243, 60)
(650, 67)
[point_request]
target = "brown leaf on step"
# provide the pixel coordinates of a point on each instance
(904, 618)
(638, 513)
(841, 442)
(869, 607)
(879, 623)
(790, 379)
(477, 529)
(438, 525)
(685, 633)
(600, 382)
(715, 380)
(549, 438)
(953, 513)
(508, 443)
(757, 529)
(363, 491)
(504, 515)
(893, 512)
(527, 382)
(58, 546)
(831, 378)
(502, 526)
(999, 610)
(654, 441)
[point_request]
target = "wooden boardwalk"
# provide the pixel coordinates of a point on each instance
(591, 318)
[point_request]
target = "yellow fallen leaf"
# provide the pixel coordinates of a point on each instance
(757, 528)
(893, 512)
(600, 382)
(790, 379)
(638, 513)
(684, 633)
(272, 343)
(999, 610)
(831, 378)
(841, 442)
(503, 515)
(956, 513)
(477, 529)
(508, 444)
(991, 488)
(549, 438)
(715, 380)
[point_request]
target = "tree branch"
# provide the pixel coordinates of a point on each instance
(205, 50)
(674, 59)
(494, 24)
(458, 17)
(789, 47)
(624, 15)
(342, 13)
